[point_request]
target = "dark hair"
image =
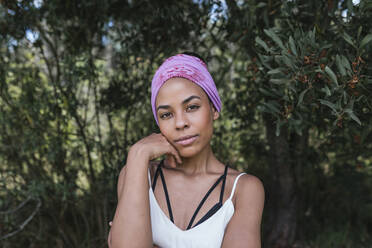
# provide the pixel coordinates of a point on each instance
(195, 55)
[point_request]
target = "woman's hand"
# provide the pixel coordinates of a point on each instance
(154, 146)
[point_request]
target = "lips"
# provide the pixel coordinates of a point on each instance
(186, 140)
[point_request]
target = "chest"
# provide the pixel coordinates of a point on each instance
(189, 202)
(210, 233)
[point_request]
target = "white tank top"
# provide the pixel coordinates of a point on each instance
(209, 233)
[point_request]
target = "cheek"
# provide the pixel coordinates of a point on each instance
(164, 129)
(204, 121)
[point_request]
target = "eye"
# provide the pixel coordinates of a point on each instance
(165, 115)
(193, 107)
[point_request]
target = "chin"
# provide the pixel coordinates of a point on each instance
(188, 152)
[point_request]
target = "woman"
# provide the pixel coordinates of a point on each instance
(198, 201)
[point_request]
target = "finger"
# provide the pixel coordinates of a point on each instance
(171, 160)
(177, 156)
(173, 151)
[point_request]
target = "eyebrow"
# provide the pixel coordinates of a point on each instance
(183, 102)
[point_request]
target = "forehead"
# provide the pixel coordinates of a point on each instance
(178, 89)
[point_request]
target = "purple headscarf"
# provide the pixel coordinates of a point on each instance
(189, 67)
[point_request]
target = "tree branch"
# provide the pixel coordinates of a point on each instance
(24, 224)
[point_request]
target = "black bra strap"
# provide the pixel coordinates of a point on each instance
(155, 178)
(211, 211)
(223, 185)
(159, 171)
(205, 198)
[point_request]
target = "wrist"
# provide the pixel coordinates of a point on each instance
(136, 155)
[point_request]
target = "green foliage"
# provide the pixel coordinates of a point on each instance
(304, 80)
(75, 95)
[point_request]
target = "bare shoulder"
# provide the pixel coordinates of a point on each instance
(249, 189)
(250, 182)
(245, 224)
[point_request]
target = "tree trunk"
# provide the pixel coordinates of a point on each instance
(280, 228)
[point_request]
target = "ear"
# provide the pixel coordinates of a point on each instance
(216, 114)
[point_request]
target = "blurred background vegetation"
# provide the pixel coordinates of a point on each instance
(295, 78)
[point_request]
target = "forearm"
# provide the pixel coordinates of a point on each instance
(132, 223)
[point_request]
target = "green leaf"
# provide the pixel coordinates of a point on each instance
(350, 6)
(279, 81)
(288, 62)
(274, 37)
(365, 40)
(354, 117)
(265, 60)
(359, 31)
(350, 105)
(338, 104)
(331, 74)
(266, 92)
(277, 130)
(274, 71)
(326, 90)
(329, 104)
(262, 43)
(311, 35)
(272, 107)
(345, 62)
(291, 87)
(292, 46)
(348, 39)
(301, 97)
(345, 97)
(340, 66)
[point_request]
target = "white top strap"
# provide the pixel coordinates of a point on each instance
(148, 174)
(235, 182)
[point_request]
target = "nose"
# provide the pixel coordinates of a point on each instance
(181, 121)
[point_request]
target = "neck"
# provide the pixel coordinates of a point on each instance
(198, 164)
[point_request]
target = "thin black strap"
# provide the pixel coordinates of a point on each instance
(204, 199)
(166, 193)
(209, 214)
(223, 184)
(155, 178)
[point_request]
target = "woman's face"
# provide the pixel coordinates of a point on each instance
(185, 115)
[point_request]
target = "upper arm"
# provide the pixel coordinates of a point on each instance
(244, 228)
(120, 185)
